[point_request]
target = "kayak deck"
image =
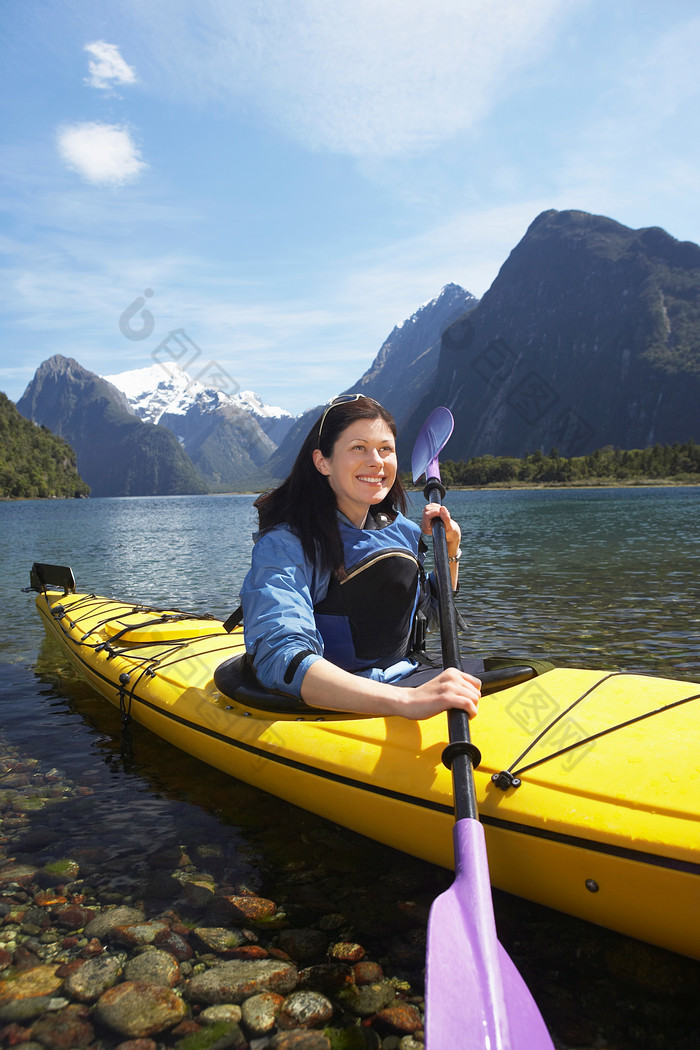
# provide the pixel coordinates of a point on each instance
(595, 805)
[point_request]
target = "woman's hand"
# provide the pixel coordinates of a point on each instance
(451, 688)
(453, 533)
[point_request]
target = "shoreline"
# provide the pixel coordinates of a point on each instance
(655, 483)
(608, 483)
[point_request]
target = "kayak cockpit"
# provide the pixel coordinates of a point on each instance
(236, 679)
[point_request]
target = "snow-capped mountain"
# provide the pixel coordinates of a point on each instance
(117, 454)
(158, 390)
(228, 436)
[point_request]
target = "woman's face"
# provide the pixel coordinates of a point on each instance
(361, 468)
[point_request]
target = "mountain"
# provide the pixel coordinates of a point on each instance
(227, 436)
(33, 461)
(117, 454)
(589, 336)
(157, 391)
(404, 368)
(407, 362)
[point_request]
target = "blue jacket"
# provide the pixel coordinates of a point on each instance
(281, 590)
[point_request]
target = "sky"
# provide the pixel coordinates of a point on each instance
(260, 190)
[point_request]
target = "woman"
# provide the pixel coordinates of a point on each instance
(336, 583)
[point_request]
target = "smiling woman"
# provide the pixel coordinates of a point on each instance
(361, 470)
(337, 596)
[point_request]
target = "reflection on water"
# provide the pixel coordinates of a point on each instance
(605, 578)
(596, 578)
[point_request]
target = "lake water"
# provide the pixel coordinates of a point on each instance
(607, 577)
(585, 577)
(592, 577)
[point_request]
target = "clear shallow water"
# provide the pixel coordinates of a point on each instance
(605, 578)
(592, 577)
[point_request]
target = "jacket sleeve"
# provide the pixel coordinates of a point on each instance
(278, 619)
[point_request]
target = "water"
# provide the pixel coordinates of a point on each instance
(593, 577)
(597, 577)
(603, 577)
(586, 577)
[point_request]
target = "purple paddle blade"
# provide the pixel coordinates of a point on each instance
(432, 438)
(475, 997)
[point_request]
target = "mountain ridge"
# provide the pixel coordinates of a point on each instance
(227, 436)
(589, 336)
(404, 366)
(117, 454)
(156, 390)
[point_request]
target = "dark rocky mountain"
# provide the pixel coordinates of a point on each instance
(403, 369)
(117, 454)
(589, 336)
(406, 366)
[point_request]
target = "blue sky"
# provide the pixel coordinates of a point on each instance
(292, 178)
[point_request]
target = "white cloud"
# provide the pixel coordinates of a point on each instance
(107, 67)
(365, 78)
(104, 154)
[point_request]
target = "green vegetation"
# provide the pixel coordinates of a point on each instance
(673, 304)
(613, 466)
(221, 1033)
(33, 461)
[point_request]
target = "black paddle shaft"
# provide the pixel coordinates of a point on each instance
(461, 747)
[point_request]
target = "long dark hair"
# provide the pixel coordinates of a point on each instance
(306, 502)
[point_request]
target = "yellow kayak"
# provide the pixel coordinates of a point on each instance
(588, 786)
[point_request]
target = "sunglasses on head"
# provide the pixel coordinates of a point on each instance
(343, 399)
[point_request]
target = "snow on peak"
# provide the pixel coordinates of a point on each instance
(158, 389)
(154, 390)
(252, 402)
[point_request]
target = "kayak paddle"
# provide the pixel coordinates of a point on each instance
(475, 996)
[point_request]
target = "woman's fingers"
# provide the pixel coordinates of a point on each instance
(439, 510)
(452, 688)
(465, 688)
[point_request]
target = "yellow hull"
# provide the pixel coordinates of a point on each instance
(604, 827)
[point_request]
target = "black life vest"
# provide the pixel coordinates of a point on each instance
(367, 618)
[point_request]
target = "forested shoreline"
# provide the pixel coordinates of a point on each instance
(34, 463)
(657, 464)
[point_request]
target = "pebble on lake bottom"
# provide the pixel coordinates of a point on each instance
(155, 951)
